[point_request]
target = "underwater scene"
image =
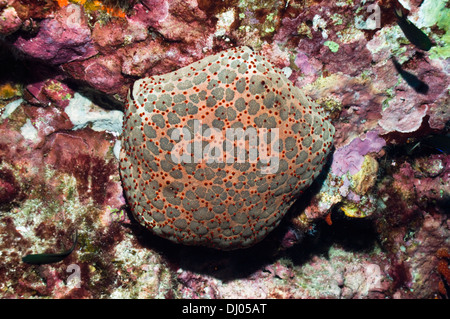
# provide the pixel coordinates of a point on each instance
(224, 149)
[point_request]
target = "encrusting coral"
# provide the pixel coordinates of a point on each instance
(223, 200)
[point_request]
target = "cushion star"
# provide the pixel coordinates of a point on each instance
(215, 153)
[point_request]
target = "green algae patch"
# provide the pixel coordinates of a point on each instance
(333, 46)
(435, 13)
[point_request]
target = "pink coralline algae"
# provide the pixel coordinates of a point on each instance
(111, 36)
(61, 39)
(405, 112)
(10, 22)
(308, 66)
(102, 73)
(49, 91)
(350, 158)
(159, 11)
(403, 115)
(176, 20)
(427, 180)
(145, 56)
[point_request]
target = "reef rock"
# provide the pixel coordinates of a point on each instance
(62, 39)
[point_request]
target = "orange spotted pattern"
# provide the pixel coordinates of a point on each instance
(219, 195)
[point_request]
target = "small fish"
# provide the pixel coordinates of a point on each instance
(438, 142)
(431, 143)
(412, 33)
(39, 259)
(412, 80)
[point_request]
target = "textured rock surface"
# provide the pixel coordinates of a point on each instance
(218, 195)
(64, 38)
(377, 233)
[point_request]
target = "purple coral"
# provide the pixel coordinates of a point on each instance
(350, 158)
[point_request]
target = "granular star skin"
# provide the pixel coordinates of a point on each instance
(220, 204)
